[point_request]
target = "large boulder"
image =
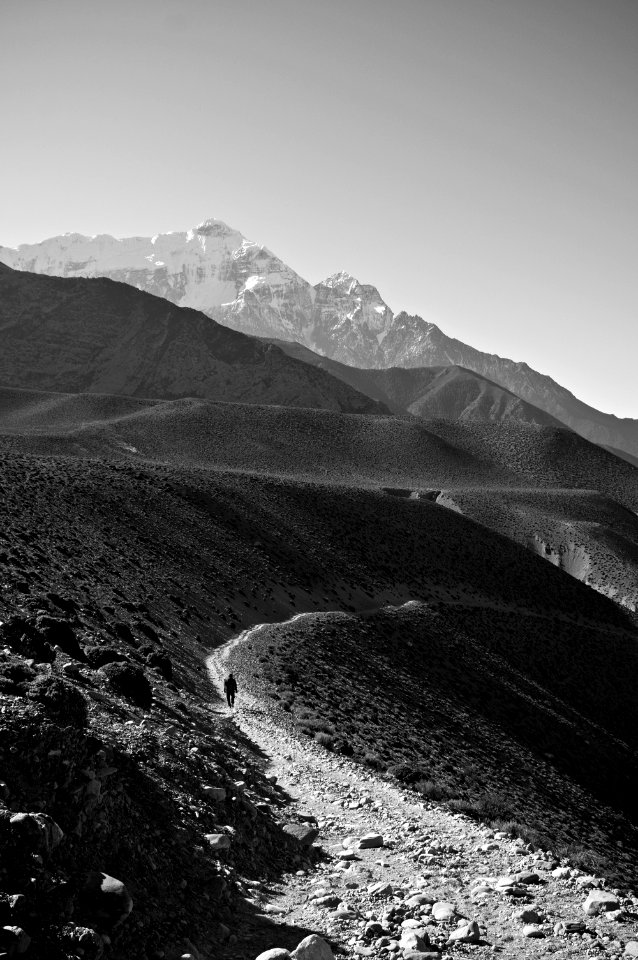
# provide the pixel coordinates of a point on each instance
(105, 901)
(301, 832)
(312, 948)
(60, 634)
(599, 901)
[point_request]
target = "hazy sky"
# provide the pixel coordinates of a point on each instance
(476, 160)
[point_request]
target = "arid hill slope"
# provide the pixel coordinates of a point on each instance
(314, 444)
(441, 392)
(512, 713)
(99, 336)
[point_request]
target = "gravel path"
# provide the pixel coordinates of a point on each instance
(386, 900)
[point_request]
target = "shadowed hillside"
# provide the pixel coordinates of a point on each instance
(99, 336)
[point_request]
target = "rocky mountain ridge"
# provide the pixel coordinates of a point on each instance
(96, 336)
(214, 269)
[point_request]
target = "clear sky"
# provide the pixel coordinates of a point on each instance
(476, 160)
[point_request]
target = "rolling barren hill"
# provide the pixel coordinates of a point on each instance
(407, 453)
(99, 336)
(449, 393)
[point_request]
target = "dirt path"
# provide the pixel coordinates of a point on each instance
(428, 855)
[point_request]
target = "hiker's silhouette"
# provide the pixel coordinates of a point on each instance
(230, 689)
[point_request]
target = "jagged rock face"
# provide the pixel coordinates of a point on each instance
(211, 268)
(349, 321)
(214, 269)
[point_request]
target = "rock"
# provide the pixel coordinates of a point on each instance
(331, 900)
(369, 840)
(413, 941)
(599, 901)
(15, 940)
(527, 877)
(380, 889)
(84, 941)
(130, 681)
(305, 835)
(217, 794)
(106, 900)
(418, 900)
(561, 873)
(565, 927)
(218, 841)
(312, 948)
(306, 817)
(532, 932)
(345, 912)
(631, 948)
(468, 933)
(277, 953)
(443, 910)
(373, 929)
(527, 916)
(60, 634)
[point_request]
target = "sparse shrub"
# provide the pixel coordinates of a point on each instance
(130, 682)
(432, 790)
(60, 700)
(406, 772)
(325, 739)
(374, 760)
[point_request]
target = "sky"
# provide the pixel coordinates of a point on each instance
(475, 160)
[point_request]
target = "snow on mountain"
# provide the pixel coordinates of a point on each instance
(243, 285)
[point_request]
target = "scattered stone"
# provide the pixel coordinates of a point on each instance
(380, 889)
(599, 901)
(567, 927)
(313, 948)
(15, 940)
(527, 916)
(413, 941)
(369, 840)
(467, 933)
(106, 900)
(443, 910)
(218, 841)
(217, 794)
(305, 835)
(532, 931)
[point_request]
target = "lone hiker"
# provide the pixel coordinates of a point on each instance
(230, 689)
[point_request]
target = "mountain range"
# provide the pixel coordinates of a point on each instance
(214, 269)
(97, 336)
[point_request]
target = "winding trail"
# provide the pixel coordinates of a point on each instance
(426, 848)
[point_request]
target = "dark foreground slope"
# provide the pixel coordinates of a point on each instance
(437, 392)
(514, 713)
(152, 566)
(99, 336)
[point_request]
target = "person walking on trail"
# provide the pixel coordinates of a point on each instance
(230, 689)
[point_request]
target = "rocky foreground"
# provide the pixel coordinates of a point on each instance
(385, 874)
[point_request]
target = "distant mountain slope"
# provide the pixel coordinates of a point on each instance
(449, 393)
(213, 268)
(98, 336)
